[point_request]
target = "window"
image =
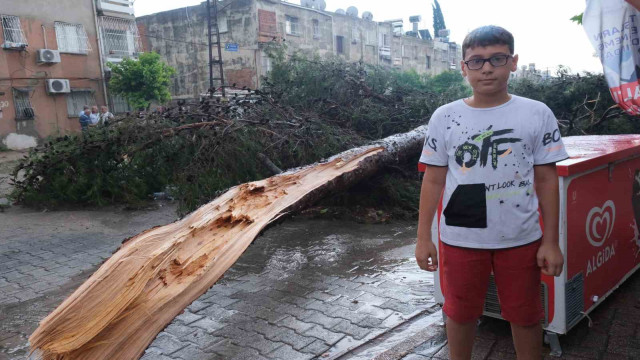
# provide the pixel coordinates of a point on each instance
(316, 29)
(385, 39)
(119, 105)
(355, 34)
(340, 44)
(72, 38)
(371, 37)
(266, 63)
(120, 37)
(77, 99)
(371, 49)
(12, 30)
(292, 25)
(22, 102)
(428, 62)
(223, 23)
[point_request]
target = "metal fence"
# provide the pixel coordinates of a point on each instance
(12, 30)
(22, 103)
(120, 37)
(72, 38)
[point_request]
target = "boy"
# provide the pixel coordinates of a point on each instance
(493, 149)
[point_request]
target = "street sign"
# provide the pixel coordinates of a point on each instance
(231, 47)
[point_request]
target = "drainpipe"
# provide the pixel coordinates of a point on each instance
(44, 36)
(99, 38)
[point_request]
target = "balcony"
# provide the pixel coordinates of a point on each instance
(115, 7)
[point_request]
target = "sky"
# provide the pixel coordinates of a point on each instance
(543, 33)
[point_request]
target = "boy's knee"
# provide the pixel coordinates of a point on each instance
(460, 319)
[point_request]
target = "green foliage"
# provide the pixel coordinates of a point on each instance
(577, 19)
(3, 147)
(373, 101)
(142, 81)
(582, 103)
(438, 19)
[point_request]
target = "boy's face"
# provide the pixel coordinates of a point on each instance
(489, 79)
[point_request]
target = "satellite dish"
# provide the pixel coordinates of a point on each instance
(306, 3)
(352, 11)
(367, 15)
(321, 5)
(340, 11)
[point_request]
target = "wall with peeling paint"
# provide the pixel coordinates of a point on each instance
(180, 36)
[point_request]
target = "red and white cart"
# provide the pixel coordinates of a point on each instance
(599, 215)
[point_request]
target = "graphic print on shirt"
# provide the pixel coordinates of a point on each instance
(468, 154)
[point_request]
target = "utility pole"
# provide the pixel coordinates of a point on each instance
(217, 43)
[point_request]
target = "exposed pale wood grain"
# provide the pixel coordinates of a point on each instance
(155, 275)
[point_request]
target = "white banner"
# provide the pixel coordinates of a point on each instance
(612, 27)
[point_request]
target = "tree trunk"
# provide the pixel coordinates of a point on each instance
(121, 308)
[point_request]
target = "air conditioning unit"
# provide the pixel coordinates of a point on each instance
(58, 86)
(47, 56)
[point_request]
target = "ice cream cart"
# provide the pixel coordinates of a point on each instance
(599, 215)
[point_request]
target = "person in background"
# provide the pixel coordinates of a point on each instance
(85, 119)
(105, 116)
(95, 116)
(84, 108)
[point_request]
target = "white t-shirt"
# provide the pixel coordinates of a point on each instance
(489, 199)
(94, 118)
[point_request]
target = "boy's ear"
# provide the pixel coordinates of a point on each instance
(463, 69)
(514, 62)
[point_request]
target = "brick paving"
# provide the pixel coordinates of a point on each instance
(303, 289)
(614, 334)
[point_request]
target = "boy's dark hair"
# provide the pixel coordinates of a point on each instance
(487, 36)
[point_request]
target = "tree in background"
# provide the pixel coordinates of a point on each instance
(438, 19)
(142, 81)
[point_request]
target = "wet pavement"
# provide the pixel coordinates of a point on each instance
(304, 289)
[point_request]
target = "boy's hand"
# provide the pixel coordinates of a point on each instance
(550, 259)
(427, 255)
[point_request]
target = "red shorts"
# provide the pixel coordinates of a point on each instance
(466, 279)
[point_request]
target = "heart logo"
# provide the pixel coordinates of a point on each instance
(600, 223)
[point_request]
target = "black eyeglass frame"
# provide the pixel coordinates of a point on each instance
(484, 61)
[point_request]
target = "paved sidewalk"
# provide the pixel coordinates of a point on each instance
(304, 289)
(614, 334)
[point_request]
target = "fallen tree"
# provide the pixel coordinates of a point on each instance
(120, 309)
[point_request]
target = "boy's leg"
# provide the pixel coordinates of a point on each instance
(517, 278)
(460, 338)
(527, 341)
(465, 281)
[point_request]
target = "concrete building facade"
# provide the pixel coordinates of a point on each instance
(52, 61)
(248, 26)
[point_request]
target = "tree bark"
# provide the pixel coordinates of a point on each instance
(155, 275)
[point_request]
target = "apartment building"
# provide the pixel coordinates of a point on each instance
(248, 26)
(53, 61)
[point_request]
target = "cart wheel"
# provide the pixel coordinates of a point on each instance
(553, 341)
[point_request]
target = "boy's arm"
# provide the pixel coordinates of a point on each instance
(550, 257)
(432, 184)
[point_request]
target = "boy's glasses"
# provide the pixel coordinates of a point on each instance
(496, 61)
